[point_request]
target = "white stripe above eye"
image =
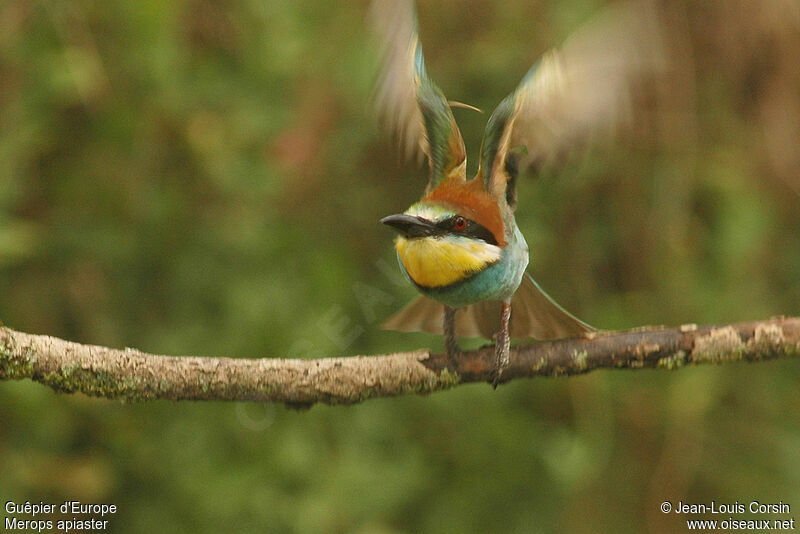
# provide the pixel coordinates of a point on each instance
(430, 212)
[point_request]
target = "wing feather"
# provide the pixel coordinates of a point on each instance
(534, 314)
(583, 90)
(408, 103)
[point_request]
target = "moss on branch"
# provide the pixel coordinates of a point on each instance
(132, 375)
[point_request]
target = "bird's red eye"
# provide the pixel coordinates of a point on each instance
(460, 223)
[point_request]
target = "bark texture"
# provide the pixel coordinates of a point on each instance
(136, 376)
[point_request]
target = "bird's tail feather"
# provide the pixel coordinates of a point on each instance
(533, 315)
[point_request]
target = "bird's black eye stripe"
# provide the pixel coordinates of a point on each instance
(472, 229)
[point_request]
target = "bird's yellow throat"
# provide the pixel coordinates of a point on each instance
(441, 261)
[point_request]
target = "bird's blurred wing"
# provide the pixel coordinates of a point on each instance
(407, 101)
(425, 315)
(420, 315)
(533, 315)
(583, 90)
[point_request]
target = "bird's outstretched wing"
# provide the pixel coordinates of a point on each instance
(583, 89)
(534, 314)
(407, 101)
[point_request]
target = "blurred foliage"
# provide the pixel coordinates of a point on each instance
(201, 177)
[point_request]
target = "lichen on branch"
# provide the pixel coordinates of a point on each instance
(132, 375)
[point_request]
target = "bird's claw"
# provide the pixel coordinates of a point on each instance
(501, 357)
(450, 342)
(452, 357)
(453, 353)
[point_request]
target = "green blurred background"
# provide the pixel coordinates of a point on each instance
(203, 177)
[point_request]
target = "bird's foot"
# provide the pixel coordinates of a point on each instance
(501, 359)
(450, 342)
(502, 346)
(453, 352)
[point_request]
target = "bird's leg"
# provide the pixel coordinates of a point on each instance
(450, 342)
(502, 342)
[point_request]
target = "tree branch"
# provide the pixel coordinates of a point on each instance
(135, 376)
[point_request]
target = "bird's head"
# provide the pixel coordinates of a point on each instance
(454, 232)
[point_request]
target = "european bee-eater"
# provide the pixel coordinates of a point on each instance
(459, 245)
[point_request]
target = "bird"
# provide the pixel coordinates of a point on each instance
(460, 245)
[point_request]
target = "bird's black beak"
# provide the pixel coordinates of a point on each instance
(410, 226)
